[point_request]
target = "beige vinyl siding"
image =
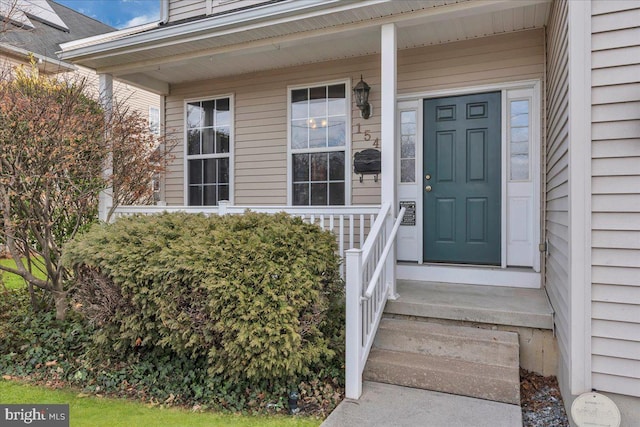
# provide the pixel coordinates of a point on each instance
(557, 180)
(615, 165)
(185, 9)
(129, 96)
(260, 128)
(261, 105)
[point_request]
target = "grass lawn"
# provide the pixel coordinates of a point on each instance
(12, 281)
(98, 412)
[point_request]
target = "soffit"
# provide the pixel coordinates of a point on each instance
(337, 35)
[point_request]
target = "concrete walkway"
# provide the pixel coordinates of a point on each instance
(387, 405)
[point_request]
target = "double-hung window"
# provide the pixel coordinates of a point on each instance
(318, 144)
(208, 151)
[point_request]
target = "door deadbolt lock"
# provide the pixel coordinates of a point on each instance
(427, 188)
(427, 177)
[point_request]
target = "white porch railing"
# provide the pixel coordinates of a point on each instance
(350, 224)
(368, 288)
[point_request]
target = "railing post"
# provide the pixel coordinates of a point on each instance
(390, 267)
(353, 370)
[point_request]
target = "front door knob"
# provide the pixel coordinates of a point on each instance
(427, 188)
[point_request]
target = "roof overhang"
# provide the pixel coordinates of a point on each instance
(290, 33)
(45, 64)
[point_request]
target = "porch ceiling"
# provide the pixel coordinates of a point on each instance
(194, 51)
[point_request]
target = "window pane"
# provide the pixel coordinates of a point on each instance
(336, 166)
(299, 134)
(195, 195)
(193, 142)
(318, 167)
(223, 171)
(299, 95)
(300, 167)
(520, 147)
(408, 117)
(337, 101)
(319, 194)
(223, 192)
(519, 134)
(195, 171)
(194, 113)
(207, 141)
(407, 146)
(336, 193)
(520, 113)
(408, 170)
(210, 195)
(318, 101)
(300, 194)
(222, 140)
(207, 109)
(223, 115)
(210, 171)
(154, 120)
(519, 167)
(336, 132)
(317, 133)
(299, 104)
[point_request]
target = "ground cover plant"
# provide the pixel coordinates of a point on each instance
(226, 313)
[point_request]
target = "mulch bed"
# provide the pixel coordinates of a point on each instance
(542, 404)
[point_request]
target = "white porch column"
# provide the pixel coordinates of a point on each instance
(106, 100)
(389, 67)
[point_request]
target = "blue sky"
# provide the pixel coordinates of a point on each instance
(117, 13)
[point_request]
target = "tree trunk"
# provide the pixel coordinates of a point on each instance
(60, 299)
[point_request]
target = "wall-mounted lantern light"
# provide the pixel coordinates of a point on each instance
(361, 93)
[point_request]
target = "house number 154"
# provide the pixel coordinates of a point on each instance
(367, 136)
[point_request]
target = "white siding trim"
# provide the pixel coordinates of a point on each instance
(579, 38)
(503, 178)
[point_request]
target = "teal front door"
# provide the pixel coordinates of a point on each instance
(462, 176)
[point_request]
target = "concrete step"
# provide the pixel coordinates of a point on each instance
(452, 359)
(451, 341)
(496, 383)
(473, 303)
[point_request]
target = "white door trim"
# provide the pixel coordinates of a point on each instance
(525, 277)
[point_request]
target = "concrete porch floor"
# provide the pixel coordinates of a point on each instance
(386, 405)
(473, 303)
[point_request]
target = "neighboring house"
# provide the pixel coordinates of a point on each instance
(509, 129)
(36, 28)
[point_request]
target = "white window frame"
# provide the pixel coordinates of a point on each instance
(153, 108)
(186, 157)
(347, 139)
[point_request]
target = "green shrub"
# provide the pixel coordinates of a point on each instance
(249, 294)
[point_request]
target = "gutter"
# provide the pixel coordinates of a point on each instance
(42, 61)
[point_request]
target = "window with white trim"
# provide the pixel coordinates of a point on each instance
(408, 136)
(519, 139)
(154, 120)
(208, 151)
(317, 145)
